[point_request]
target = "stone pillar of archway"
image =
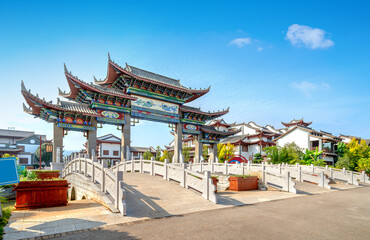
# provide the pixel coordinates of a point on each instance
(198, 148)
(91, 140)
(126, 139)
(213, 153)
(177, 156)
(58, 134)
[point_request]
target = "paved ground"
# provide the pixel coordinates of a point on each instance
(147, 197)
(332, 215)
(77, 215)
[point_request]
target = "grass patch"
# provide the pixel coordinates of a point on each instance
(242, 176)
(7, 209)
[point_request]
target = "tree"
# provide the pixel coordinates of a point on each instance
(225, 152)
(364, 165)
(158, 153)
(257, 158)
(147, 155)
(341, 149)
(186, 153)
(166, 155)
(46, 157)
(205, 152)
(312, 157)
(354, 153)
(290, 153)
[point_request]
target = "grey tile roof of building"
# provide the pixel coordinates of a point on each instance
(15, 133)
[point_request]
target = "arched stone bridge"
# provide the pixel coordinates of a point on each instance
(93, 180)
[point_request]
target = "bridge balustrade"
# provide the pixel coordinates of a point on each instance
(111, 183)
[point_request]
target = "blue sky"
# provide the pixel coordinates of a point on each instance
(270, 61)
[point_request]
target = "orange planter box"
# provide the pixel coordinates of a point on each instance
(243, 184)
(47, 175)
(41, 194)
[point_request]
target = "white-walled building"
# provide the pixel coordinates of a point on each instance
(109, 148)
(250, 138)
(21, 144)
(308, 138)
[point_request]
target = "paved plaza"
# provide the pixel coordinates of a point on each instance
(147, 197)
(332, 215)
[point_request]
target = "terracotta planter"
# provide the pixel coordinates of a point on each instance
(41, 194)
(215, 181)
(243, 184)
(47, 175)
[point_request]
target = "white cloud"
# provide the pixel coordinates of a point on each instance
(260, 49)
(241, 42)
(309, 87)
(313, 38)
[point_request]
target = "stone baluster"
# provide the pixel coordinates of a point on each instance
(85, 171)
(242, 166)
(93, 172)
(119, 178)
(263, 172)
(206, 182)
(331, 173)
(132, 165)
(183, 176)
(152, 166)
(226, 168)
(165, 174)
(141, 164)
(299, 178)
(104, 165)
(79, 164)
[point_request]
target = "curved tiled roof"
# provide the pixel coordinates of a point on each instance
(153, 76)
(77, 107)
(186, 108)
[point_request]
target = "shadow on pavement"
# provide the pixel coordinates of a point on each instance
(225, 198)
(140, 205)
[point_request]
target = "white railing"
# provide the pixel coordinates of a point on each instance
(309, 173)
(347, 176)
(110, 182)
(280, 181)
(200, 182)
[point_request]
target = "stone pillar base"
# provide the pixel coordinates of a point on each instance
(57, 166)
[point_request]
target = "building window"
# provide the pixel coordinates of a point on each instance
(105, 152)
(115, 153)
(245, 148)
(23, 160)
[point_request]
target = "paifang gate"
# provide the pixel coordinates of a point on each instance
(122, 98)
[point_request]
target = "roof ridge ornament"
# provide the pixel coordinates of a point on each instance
(65, 69)
(128, 67)
(23, 87)
(109, 60)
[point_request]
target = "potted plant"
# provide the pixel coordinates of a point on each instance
(32, 192)
(215, 181)
(47, 174)
(243, 182)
